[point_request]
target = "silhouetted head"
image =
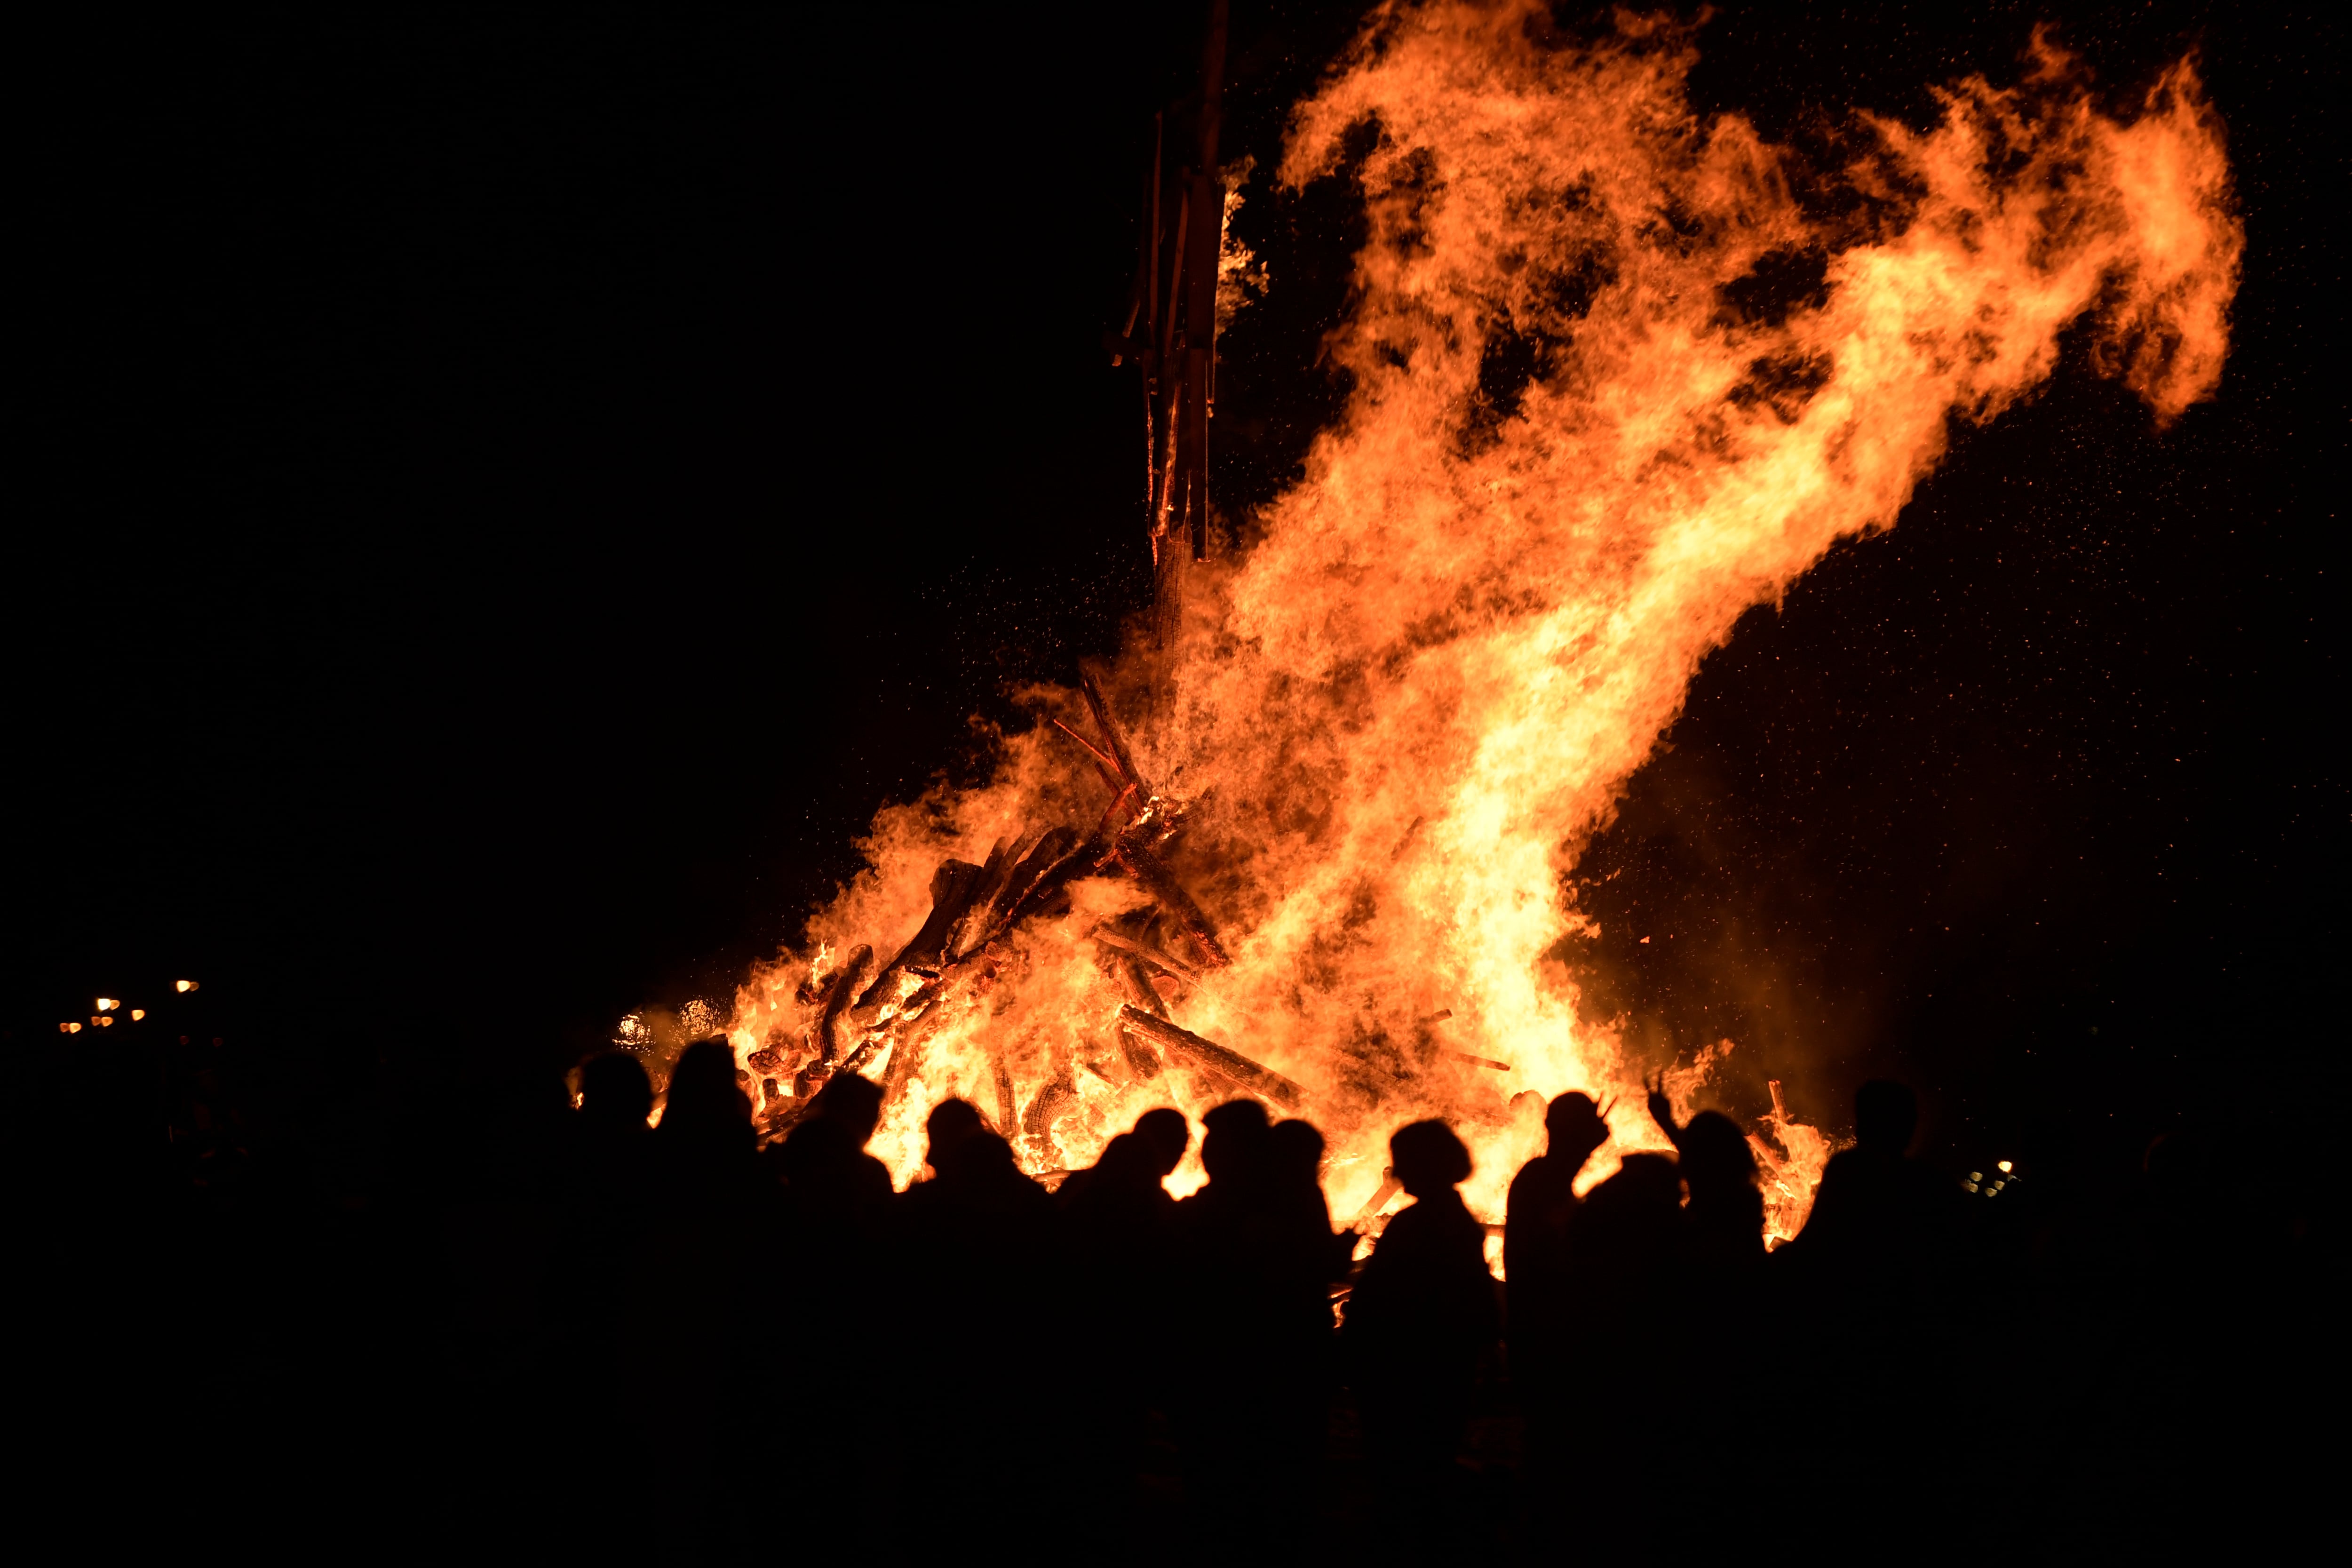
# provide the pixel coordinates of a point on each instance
(1166, 1132)
(1886, 1114)
(614, 1093)
(1714, 1153)
(853, 1103)
(980, 1157)
(1427, 1158)
(702, 1085)
(1649, 1182)
(1233, 1149)
(1125, 1158)
(1295, 1151)
(950, 1122)
(1573, 1122)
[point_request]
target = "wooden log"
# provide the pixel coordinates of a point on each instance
(1041, 874)
(1230, 1064)
(954, 888)
(1037, 1123)
(978, 922)
(1148, 954)
(835, 1001)
(1152, 872)
(1128, 970)
(1114, 738)
(1006, 1106)
(1109, 767)
(1480, 1061)
(1206, 240)
(1142, 1057)
(1390, 1188)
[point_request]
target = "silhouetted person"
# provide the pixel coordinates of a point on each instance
(603, 1286)
(1120, 1229)
(1312, 1258)
(705, 1145)
(1422, 1314)
(715, 1246)
(1540, 1207)
(1253, 1277)
(836, 1199)
(1862, 1278)
(606, 1225)
(833, 1182)
(1618, 1329)
(1166, 1130)
(1715, 1296)
(1726, 1215)
(980, 1296)
(1876, 1212)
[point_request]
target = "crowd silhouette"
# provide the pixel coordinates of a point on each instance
(673, 1344)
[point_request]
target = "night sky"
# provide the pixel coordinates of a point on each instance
(510, 496)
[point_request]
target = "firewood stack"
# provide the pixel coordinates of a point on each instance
(858, 1012)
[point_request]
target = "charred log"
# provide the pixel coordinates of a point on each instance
(1005, 1104)
(1141, 1058)
(836, 1000)
(1058, 858)
(1037, 1121)
(1148, 955)
(1235, 1069)
(953, 886)
(1152, 872)
(1114, 738)
(1135, 984)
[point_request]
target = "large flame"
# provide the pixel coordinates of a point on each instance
(1619, 375)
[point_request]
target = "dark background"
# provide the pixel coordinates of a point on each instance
(502, 499)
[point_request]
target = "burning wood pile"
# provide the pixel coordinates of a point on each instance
(861, 1019)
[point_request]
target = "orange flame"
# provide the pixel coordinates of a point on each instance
(1614, 384)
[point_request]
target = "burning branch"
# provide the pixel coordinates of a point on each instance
(1148, 955)
(834, 1000)
(1148, 869)
(1230, 1064)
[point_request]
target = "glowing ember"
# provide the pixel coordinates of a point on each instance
(1614, 384)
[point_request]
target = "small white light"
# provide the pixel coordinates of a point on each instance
(184, 986)
(108, 1003)
(137, 1013)
(2006, 1166)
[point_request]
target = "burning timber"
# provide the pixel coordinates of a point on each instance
(861, 1014)
(1229, 1065)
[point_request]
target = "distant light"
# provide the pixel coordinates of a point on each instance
(1976, 1175)
(137, 1013)
(108, 1003)
(103, 1022)
(69, 1028)
(2006, 1167)
(184, 986)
